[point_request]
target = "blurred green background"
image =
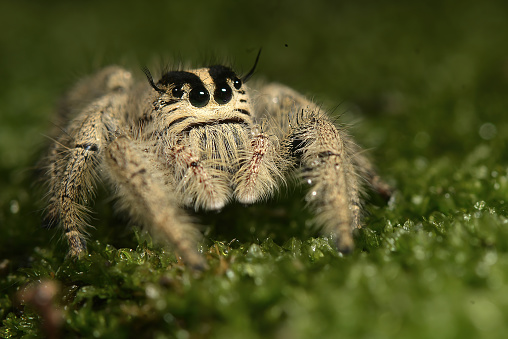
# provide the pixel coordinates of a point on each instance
(424, 85)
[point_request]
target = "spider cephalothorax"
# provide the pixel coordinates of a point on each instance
(199, 138)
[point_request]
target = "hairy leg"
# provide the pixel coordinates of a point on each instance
(258, 176)
(325, 154)
(147, 196)
(279, 101)
(328, 169)
(373, 179)
(200, 184)
(73, 160)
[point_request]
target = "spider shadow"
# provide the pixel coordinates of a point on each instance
(279, 218)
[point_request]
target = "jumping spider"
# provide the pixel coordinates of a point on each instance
(199, 138)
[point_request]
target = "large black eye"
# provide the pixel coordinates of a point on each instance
(199, 96)
(237, 83)
(223, 94)
(177, 92)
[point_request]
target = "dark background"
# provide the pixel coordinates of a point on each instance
(423, 83)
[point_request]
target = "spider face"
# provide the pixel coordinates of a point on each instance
(202, 117)
(197, 138)
(212, 95)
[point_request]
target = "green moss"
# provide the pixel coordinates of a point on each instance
(425, 86)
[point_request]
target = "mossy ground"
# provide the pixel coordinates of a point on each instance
(426, 85)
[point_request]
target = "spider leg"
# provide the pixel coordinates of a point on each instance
(75, 156)
(260, 173)
(334, 183)
(205, 186)
(149, 197)
(331, 163)
(370, 174)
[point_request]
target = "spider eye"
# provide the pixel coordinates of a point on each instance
(199, 96)
(223, 94)
(237, 83)
(177, 92)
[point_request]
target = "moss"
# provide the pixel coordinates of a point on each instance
(425, 86)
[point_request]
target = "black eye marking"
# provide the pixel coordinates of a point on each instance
(220, 75)
(178, 78)
(199, 96)
(175, 80)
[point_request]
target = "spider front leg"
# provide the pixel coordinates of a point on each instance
(73, 160)
(331, 162)
(261, 170)
(204, 186)
(368, 171)
(150, 197)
